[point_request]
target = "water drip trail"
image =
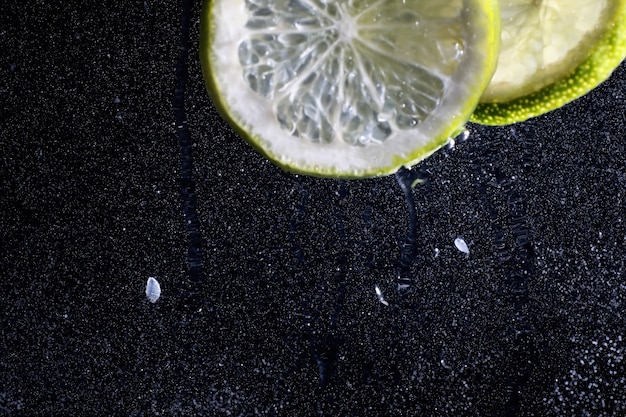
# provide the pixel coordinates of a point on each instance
(293, 341)
(340, 279)
(327, 345)
(406, 179)
(187, 183)
(515, 254)
(321, 336)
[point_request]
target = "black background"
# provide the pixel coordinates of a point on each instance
(280, 317)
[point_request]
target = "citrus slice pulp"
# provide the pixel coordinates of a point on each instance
(552, 52)
(348, 89)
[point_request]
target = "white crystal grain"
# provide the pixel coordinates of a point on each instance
(461, 245)
(153, 290)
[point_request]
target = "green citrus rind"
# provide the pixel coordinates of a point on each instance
(487, 20)
(607, 55)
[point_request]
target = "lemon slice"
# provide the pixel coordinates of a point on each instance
(351, 88)
(552, 52)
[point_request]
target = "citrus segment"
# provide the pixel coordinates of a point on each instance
(347, 88)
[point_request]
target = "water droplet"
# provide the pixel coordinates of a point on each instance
(463, 135)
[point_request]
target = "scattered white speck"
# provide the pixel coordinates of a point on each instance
(153, 290)
(461, 245)
(436, 252)
(379, 294)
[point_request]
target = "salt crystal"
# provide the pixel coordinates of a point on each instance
(461, 245)
(153, 290)
(379, 294)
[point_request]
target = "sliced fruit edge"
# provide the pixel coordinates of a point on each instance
(594, 70)
(490, 21)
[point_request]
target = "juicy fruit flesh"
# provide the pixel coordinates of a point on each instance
(542, 40)
(347, 72)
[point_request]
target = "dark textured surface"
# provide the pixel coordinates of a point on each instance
(284, 319)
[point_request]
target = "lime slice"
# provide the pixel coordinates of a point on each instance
(552, 52)
(352, 88)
